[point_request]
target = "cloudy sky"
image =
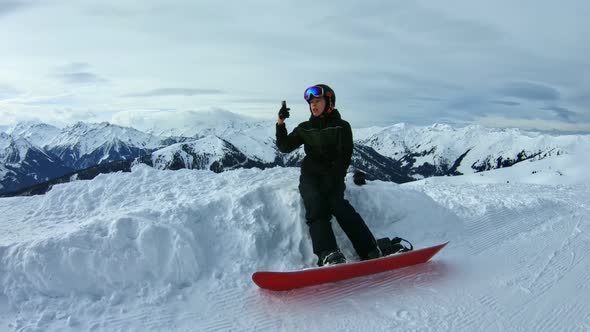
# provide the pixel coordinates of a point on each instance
(499, 63)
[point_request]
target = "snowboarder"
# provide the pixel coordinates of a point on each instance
(327, 141)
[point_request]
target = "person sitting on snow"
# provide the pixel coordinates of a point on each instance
(327, 140)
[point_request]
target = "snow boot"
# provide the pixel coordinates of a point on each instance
(375, 253)
(331, 258)
(394, 246)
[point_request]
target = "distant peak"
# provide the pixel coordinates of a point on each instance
(79, 124)
(441, 126)
(21, 142)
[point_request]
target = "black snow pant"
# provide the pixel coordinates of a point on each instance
(323, 197)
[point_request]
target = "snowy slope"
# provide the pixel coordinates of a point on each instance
(37, 133)
(474, 147)
(15, 151)
(24, 164)
(5, 141)
(208, 153)
(52, 152)
(174, 250)
(398, 153)
(256, 141)
(88, 144)
(216, 122)
(87, 137)
(402, 152)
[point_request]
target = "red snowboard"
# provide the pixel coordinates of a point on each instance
(280, 281)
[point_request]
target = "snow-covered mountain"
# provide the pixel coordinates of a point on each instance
(401, 153)
(84, 145)
(443, 150)
(37, 133)
(23, 164)
(398, 153)
(209, 153)
(76, 147)
(217, 122)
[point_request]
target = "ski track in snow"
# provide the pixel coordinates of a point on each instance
(517, 260)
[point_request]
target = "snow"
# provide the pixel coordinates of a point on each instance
(255, 142)
(5, 142)
(21, 148)
(87, 137)
(449, 143)
(211, 147)
(3, 173)
(38, 134)
(216, 122)
(158, 250)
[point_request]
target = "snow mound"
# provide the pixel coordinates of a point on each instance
(174, 250)
(133, 233)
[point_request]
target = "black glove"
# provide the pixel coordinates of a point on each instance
(359, 178)
(284, 111)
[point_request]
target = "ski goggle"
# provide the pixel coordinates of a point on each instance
(313, 91)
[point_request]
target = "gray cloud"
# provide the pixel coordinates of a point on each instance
(388, 60)
(506, 103)
(59, 100)
(74, 67)
(468, 102)
(10, 6)
(253, 100)
(78, 73)
(562, 113)
(7, 91)
(108, 10)
(175, 92)
(529, 91)
(426, 98)
(81, 78)
(398, 20)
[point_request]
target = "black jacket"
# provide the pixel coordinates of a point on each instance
(327, 142)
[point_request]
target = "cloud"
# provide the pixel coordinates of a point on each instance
(74, 67)
(562, 113)
(506, 103)
(110, 10)
(10, 6)
(529, 91)
(389, 61)
(81, 78)
(175, 92)
(56, 100)
(7, 92)
(468, 102)
(254, 100)
(78, 73)
(535, 124)
(168, 119)
(407, 22)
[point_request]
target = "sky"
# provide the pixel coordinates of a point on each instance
(502, 63)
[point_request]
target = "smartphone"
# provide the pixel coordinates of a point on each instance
(284, 104)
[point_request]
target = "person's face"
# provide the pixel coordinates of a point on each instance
(317, 106)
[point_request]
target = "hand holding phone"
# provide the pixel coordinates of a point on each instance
(284, 111)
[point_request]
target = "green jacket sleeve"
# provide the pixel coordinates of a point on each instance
(287, 143)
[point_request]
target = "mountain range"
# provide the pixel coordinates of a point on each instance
(36, 154)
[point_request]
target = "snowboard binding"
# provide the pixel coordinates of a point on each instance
(394, 246)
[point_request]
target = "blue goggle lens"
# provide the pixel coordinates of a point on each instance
(313, 91)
